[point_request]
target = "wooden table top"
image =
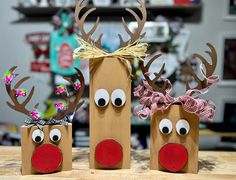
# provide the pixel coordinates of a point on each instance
(212, 165)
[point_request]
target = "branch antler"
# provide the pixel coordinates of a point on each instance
(17, 106)
(152, 83)
(21, 107)
(75, 104)
(209, 69)
(134, 36)
(86, 36)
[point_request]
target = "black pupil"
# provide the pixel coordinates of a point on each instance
(37, 138)
(182, 131)
(55, 138)
(118, 101)
(101, 102)
(165, 130)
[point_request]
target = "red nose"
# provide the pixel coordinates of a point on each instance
(108, 153)
(46, 158)
(173, 157)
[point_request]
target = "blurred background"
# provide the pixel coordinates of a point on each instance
(39, 37)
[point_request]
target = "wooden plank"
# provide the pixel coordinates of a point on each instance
(189, 13)
(110, 122)
(212, 165)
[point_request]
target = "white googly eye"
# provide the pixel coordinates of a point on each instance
(55, 135)
(165, 126)
(101, 98)
(118, 97)
(37, 136)
(182, 127)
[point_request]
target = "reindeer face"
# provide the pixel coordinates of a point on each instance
(110, 115)
(174, 141)
(46, 151)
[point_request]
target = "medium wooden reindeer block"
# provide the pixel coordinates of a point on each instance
(46, 144)
(110, 90)
(110, 123)
(174, 121)
(174, 140)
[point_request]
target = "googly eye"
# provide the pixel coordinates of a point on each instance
(165, 126)
(55, 135)
(182, 127)
(101, 98)
(37, 136)
(118, 97)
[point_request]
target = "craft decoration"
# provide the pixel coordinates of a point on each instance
(46, 144)
(36, 115)
(110, 89)
(61, 105)
(174, 121)
(63, 21)
(61, 89)
(77, 85)
(39, 42)
(21, 93)
(62, 44)
(8, 77)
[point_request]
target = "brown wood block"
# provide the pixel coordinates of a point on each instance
(190, 141)
(28, 146)
(110, 122)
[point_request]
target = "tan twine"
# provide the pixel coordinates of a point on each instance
(125, 54)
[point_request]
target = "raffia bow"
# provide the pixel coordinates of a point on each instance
(88, 51)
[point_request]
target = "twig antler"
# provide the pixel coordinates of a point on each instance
(134, 36)
(21, 107)
(153, 82)
(17, 106)
(209, 69)
(75, 104)
(86, 36)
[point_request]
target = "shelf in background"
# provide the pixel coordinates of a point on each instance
(189, 13)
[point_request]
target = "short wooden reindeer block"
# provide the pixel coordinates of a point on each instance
(110, 99)
(46, 151)
(46, 144)
(174, 140)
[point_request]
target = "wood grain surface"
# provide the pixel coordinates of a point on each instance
(110, 122)
(212, 165)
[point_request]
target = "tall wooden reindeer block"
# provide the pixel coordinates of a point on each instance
(174, 121)
(110, 91)
(110, 125)
(46, 144)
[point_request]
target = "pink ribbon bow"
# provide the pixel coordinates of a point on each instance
(153, 101)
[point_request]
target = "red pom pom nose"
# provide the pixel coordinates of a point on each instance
(173, 157)
(46, 158)
(108, 153)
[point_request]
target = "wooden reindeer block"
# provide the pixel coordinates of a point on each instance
(110, 99)
(46, 151)
(174, 140)
(110, 89)
(174, 120)
(46, 144)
